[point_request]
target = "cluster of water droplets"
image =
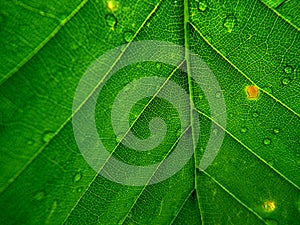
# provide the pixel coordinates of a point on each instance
(112, 23)
(289, 72)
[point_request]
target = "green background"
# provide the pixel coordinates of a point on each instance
(46, 46)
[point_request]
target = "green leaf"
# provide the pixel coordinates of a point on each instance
(46, 49)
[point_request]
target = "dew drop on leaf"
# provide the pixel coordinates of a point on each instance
(202, 5)
(119, 138)
(77, 177)
(47, 136)
(230, 23)
(276, 131)
(244, 129)
(271, 222)
(39, 196)
(267, 141)
(30, 142)
(215, 132)
(111, 20)
(255, 115)
(286, 81)
(43, 13)
(288, 69)
(79, 189)
(128, 36)
(218, 95)
(158, 65)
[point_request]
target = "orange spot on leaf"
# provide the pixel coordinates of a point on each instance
(252, 92)
(269, 206)
(112, 5)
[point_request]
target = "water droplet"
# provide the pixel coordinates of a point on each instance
(202, 5)
(252, 92)
(39, 196)
(43, 13)
(128, 36)
(267, 141)
(244, 129)
(218, 95)
(271, 222)
(286, 81)
(271, 163)
(77, 177)
(79, 189)
(119, 139)
(111, 20)
(255, 115)
(215, 131)
(48, 135)
(276, 131)
(30, 142)
(230, 23)
(288, 69)
(158, 65)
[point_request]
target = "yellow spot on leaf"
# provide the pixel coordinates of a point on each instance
(252, 92)
(269, 206)
(112, 5)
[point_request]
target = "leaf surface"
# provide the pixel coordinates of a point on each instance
(254, 179)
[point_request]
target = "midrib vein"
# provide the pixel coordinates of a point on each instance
(186, 45)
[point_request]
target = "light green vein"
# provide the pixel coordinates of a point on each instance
(181, 207)
(43, 43)
(241, 72)
(281, 16)
(233, 196)
(277, 100)
(80, 106)
(144, 187)
(115, 148)
(250, 150)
